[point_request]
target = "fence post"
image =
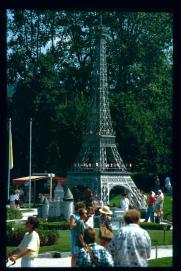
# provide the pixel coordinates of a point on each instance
(164, 233)
(156, 252)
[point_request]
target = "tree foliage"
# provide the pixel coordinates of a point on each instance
(52, 54)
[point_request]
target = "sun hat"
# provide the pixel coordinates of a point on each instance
(105, 210)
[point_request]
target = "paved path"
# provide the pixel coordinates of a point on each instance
(65, 262)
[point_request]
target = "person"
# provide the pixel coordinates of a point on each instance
(100, 202)
(131, 245)
(87, 194)
(168, 185)
(90, 213)
(76, 193)
(124, 203)
(12, 198)
(73, 223)
(41, 198)
(159, 205)
(29, 246)
(150, 207)
(157, 183)
(105, 217)
(21, 197)
(17, 190)
(93, 255)
(97, 204)
(17, 198)
(104, 240)
(80, 228)
(105, 221)
(143, 199)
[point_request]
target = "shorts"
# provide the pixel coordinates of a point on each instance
(74, 249)
(16, 201)
(157, 207)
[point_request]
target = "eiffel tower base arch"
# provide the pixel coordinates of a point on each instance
(101, 186)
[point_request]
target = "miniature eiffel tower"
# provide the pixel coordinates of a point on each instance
(98, 164)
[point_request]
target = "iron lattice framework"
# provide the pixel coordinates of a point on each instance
(98, 164)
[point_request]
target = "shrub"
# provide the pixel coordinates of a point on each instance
(14, 237)
(52, 237)
(154, 226)
(10, 226)
(47, 238)
(56, 218)
(13, 214)
(57, 225)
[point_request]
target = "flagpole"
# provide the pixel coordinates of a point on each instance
(30, 163)
(9, 150)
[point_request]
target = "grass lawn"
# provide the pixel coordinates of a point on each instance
(157, 237)
(64, 242)
(167, 206)
(161, 262)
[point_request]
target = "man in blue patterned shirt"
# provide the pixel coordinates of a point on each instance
(131, 245)
(100, 256)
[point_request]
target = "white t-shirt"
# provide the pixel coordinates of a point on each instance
(125, 204)
(159, 199)
(90, 222)
(16, 196)
(12, 197)
(31, 241)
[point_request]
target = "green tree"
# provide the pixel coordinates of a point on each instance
(53, 54)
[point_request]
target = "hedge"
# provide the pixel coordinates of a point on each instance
(13, 214)
(154, 226)
(47, 238)
(57, 225)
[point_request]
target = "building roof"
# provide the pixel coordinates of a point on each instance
(68, 195)
(36, 178)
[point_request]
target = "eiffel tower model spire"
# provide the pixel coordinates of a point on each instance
(98, 164)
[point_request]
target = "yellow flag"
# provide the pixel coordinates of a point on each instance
(10, 152)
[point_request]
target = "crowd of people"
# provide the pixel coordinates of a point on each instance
(155, 200)
(155, 206)
(130, 246)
